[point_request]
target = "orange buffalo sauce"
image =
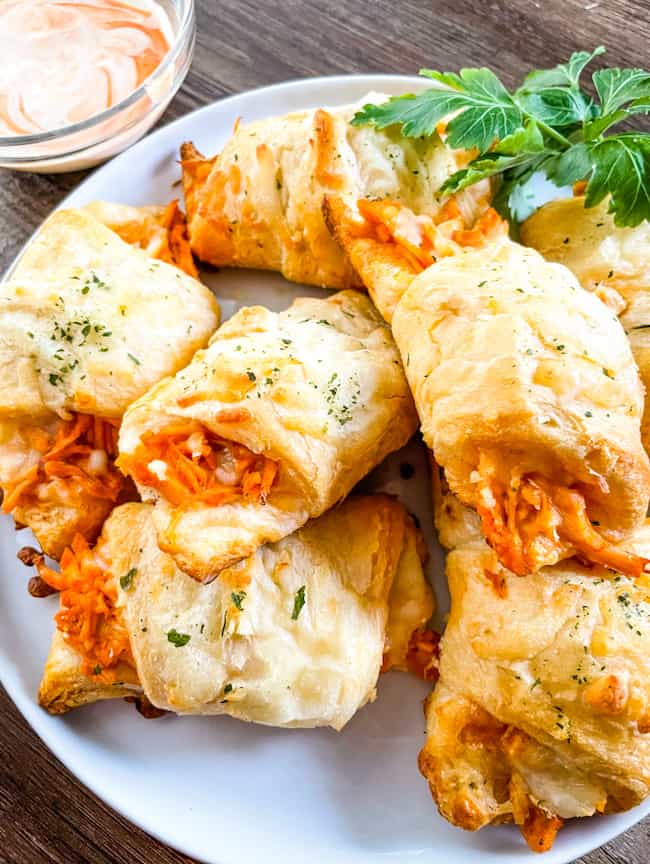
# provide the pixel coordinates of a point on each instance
(423, 238)
(162, 233)
(79, 454)
(527, 517)
(88, 618)
(64, 61)
(540, 829)
(188, 464)
(423, 654)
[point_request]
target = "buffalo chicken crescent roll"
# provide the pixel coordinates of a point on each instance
(613, 262)
(87, 324)
(525, 384)
(542, 709)
(258, 202)
(271, 425)
(293, 636)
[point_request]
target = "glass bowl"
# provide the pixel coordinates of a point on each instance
(82, 145)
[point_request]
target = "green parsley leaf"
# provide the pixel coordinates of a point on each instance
(513, 151)
(126, 581)
(527, 140)
(237, 598)
(549, 124)
(134, 359)
(298, 602)
(617, 87)
(487, 111)
(489, 165)
(178, 639)
(558, 106)
(622, 171)
(227, 689)
(416, 115)
(566, 74)
(641, 106)
(567, 168)
(622, 93)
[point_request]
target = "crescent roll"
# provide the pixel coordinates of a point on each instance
(293, 636)
(613, 262)
(542, 709)
(525, 385)
(271, 425)
(87, 324)
(258, 202)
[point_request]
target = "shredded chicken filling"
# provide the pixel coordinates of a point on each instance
(528, 519)
(79, 455)
(422, 656)
(540, 829)
(187, 464)
(423, 239)
(88, 618)
(162, 235)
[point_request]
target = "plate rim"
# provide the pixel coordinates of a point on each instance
(28, 706)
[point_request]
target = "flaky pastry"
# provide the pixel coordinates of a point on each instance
(613, 262)
(293, 636)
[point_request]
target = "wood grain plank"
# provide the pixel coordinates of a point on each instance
(46, 816)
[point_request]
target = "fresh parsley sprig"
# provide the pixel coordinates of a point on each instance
(549, 124)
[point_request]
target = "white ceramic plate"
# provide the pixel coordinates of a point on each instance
(217, 789)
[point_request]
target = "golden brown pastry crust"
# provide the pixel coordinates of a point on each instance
(384, 268)
(253, 651)
(64, 687)
(75, 272)
(410, 602)
(258, 202)
(65, 513)
(543, 696)
(612, 262)
(319, 388)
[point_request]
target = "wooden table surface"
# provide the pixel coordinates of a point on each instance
(45, 814)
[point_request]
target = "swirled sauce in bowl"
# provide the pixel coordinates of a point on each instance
(82, 80)
(64, 61)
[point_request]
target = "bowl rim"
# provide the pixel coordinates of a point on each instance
(60, 133)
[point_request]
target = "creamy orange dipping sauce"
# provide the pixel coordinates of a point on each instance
(64, 61)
